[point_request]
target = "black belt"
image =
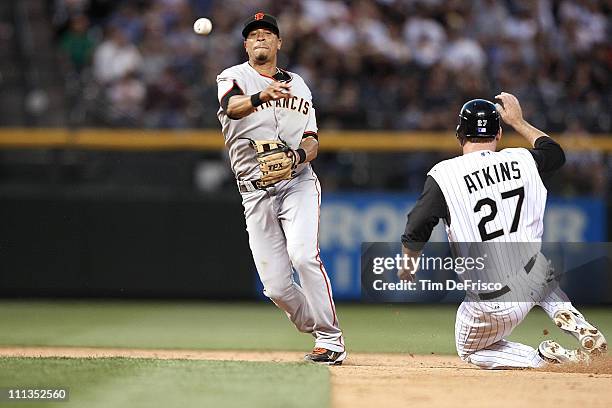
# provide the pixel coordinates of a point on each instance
(497, 293)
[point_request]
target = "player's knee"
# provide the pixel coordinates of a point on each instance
(277, 291)
(301, 257)
(464, 355)
(482, 364)
(462, 351)
(469, 357)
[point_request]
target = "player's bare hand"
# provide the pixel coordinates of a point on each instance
(509, 109)
(275, 91)
(405, 274)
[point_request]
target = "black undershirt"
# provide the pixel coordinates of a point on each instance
(424, 216)
(225, 100)
(548, 155)
(431, 205)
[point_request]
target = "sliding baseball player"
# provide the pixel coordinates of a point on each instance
(498, 198)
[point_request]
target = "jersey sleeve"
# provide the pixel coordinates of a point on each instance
(425, 215)
(548, 154)
(311, 125)
(228, 84)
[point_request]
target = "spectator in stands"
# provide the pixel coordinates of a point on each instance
(167, 101)
(77, 44)
(463, 53)
(128, 18)
(356, 53)
(360, 55)
(126, 98)
(378, 64)
(426, 37)
(115, 57)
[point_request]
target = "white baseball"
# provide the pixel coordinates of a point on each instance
(202, 26)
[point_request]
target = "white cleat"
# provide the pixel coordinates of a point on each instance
(553, 352)
(590, 338)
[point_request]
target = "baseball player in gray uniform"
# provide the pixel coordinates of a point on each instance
(270, 129)
(491, 197)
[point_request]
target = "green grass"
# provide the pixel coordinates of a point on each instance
(135, 383)
(244, 326)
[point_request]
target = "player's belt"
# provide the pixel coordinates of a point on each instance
(248, 185)
(497, 293)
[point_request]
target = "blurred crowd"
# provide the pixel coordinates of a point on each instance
(377, 64)
(403, 64)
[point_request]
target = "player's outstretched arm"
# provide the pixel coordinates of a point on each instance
(240, 106)
(512, 114)
(424, 216)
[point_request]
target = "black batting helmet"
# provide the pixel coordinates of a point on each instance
(478, 118)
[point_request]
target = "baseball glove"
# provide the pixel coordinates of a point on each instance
(276, 160)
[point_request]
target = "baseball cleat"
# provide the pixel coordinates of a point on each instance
(590, 338)
(554, 353)
(324, 356)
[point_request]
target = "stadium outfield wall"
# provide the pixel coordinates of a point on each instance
(76, 242)
(147, 140)
(95, 244)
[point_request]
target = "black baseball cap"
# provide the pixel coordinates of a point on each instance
(259, 20)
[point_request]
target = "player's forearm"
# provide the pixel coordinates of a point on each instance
(413, 254)
(528, 131)
(310, 145)
(239, 106)
(409, 264)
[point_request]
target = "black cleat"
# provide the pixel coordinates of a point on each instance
(324, 356)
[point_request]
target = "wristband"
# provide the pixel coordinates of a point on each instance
(255, 100)
(302, 154)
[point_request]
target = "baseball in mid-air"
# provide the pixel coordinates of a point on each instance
(202, 26)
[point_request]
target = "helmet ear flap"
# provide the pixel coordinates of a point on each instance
(460, 130)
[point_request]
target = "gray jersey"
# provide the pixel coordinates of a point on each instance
(286, 119)
(282, 220)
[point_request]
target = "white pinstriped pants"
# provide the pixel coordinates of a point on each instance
(283, 226)
(481, 328)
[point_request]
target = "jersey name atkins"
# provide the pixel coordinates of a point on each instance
(493, 196)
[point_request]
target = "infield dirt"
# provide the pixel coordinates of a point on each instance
(398, 380)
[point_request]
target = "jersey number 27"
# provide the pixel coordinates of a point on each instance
(482, 225)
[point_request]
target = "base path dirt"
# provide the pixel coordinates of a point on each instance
(404, 380)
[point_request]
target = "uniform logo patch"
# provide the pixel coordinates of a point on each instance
(482, 130)
(259, 16)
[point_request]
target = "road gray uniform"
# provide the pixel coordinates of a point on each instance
(282, 220)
